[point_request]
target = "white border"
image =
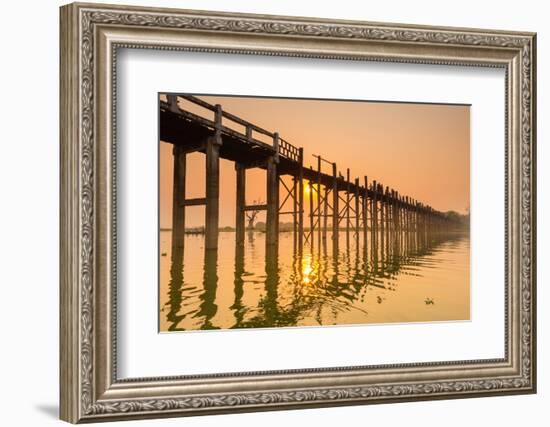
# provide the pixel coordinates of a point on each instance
(143, 352)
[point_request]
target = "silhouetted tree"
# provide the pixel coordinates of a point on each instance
(252, 214)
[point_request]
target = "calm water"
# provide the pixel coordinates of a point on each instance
(403, 283)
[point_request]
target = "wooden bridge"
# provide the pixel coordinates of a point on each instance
(368, 210)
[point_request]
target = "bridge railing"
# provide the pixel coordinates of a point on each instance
(285, 149)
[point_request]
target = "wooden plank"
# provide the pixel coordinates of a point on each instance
(255, 208)
(194, 202)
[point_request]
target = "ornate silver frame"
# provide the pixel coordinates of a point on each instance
(90, 36)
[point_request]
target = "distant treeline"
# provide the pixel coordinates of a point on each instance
(458, 218)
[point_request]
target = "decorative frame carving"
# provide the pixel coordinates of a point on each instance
(90, 36)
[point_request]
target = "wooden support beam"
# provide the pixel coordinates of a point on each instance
(295, 211)
(301, 200)
(194, 202)
(390, 236)
(335, 210)
(407, 214)
(272, 216)
(289, 193)
(356, 197)
(411, 223)
(348, 222)
(404, 222)
(374, 217)
(389, 218)
(311, 224)
(397, 219)
(240, 173)
(319, 199)
(178, 209)
(212, 213)
(395, 197)
(260, 163)
(365, 210)
(255, 207)
(173, 102)
(325, 213)
(382, 219)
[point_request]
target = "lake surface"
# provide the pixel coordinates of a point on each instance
(405, 282)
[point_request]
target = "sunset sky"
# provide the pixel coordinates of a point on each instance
(420, 150)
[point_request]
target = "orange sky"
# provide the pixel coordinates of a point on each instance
(420, 150)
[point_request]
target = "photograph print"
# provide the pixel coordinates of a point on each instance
(283, 212)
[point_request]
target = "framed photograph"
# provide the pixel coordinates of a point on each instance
(266, 212)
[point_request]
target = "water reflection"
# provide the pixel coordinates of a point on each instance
(245, 287)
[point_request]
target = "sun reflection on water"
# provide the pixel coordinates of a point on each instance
(307, 269)
(242, 290)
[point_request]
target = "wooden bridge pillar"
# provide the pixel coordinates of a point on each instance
(387, 217)
(407, 222)
(240, 172)
(417, 224)
(348, 199)
(272, 215)
(374, 218)
(365, 218)
(382, 219)
(178, 204)
(357, 218)
(319, 230)
(325, 214)
(391, 221)
(301, 200)
(335, 209)
(311, 225)
(396, 214)
(398, 219)
(295, 212)
(173, 102)
(212, 214)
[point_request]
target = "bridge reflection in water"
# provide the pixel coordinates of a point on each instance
(409, 278)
